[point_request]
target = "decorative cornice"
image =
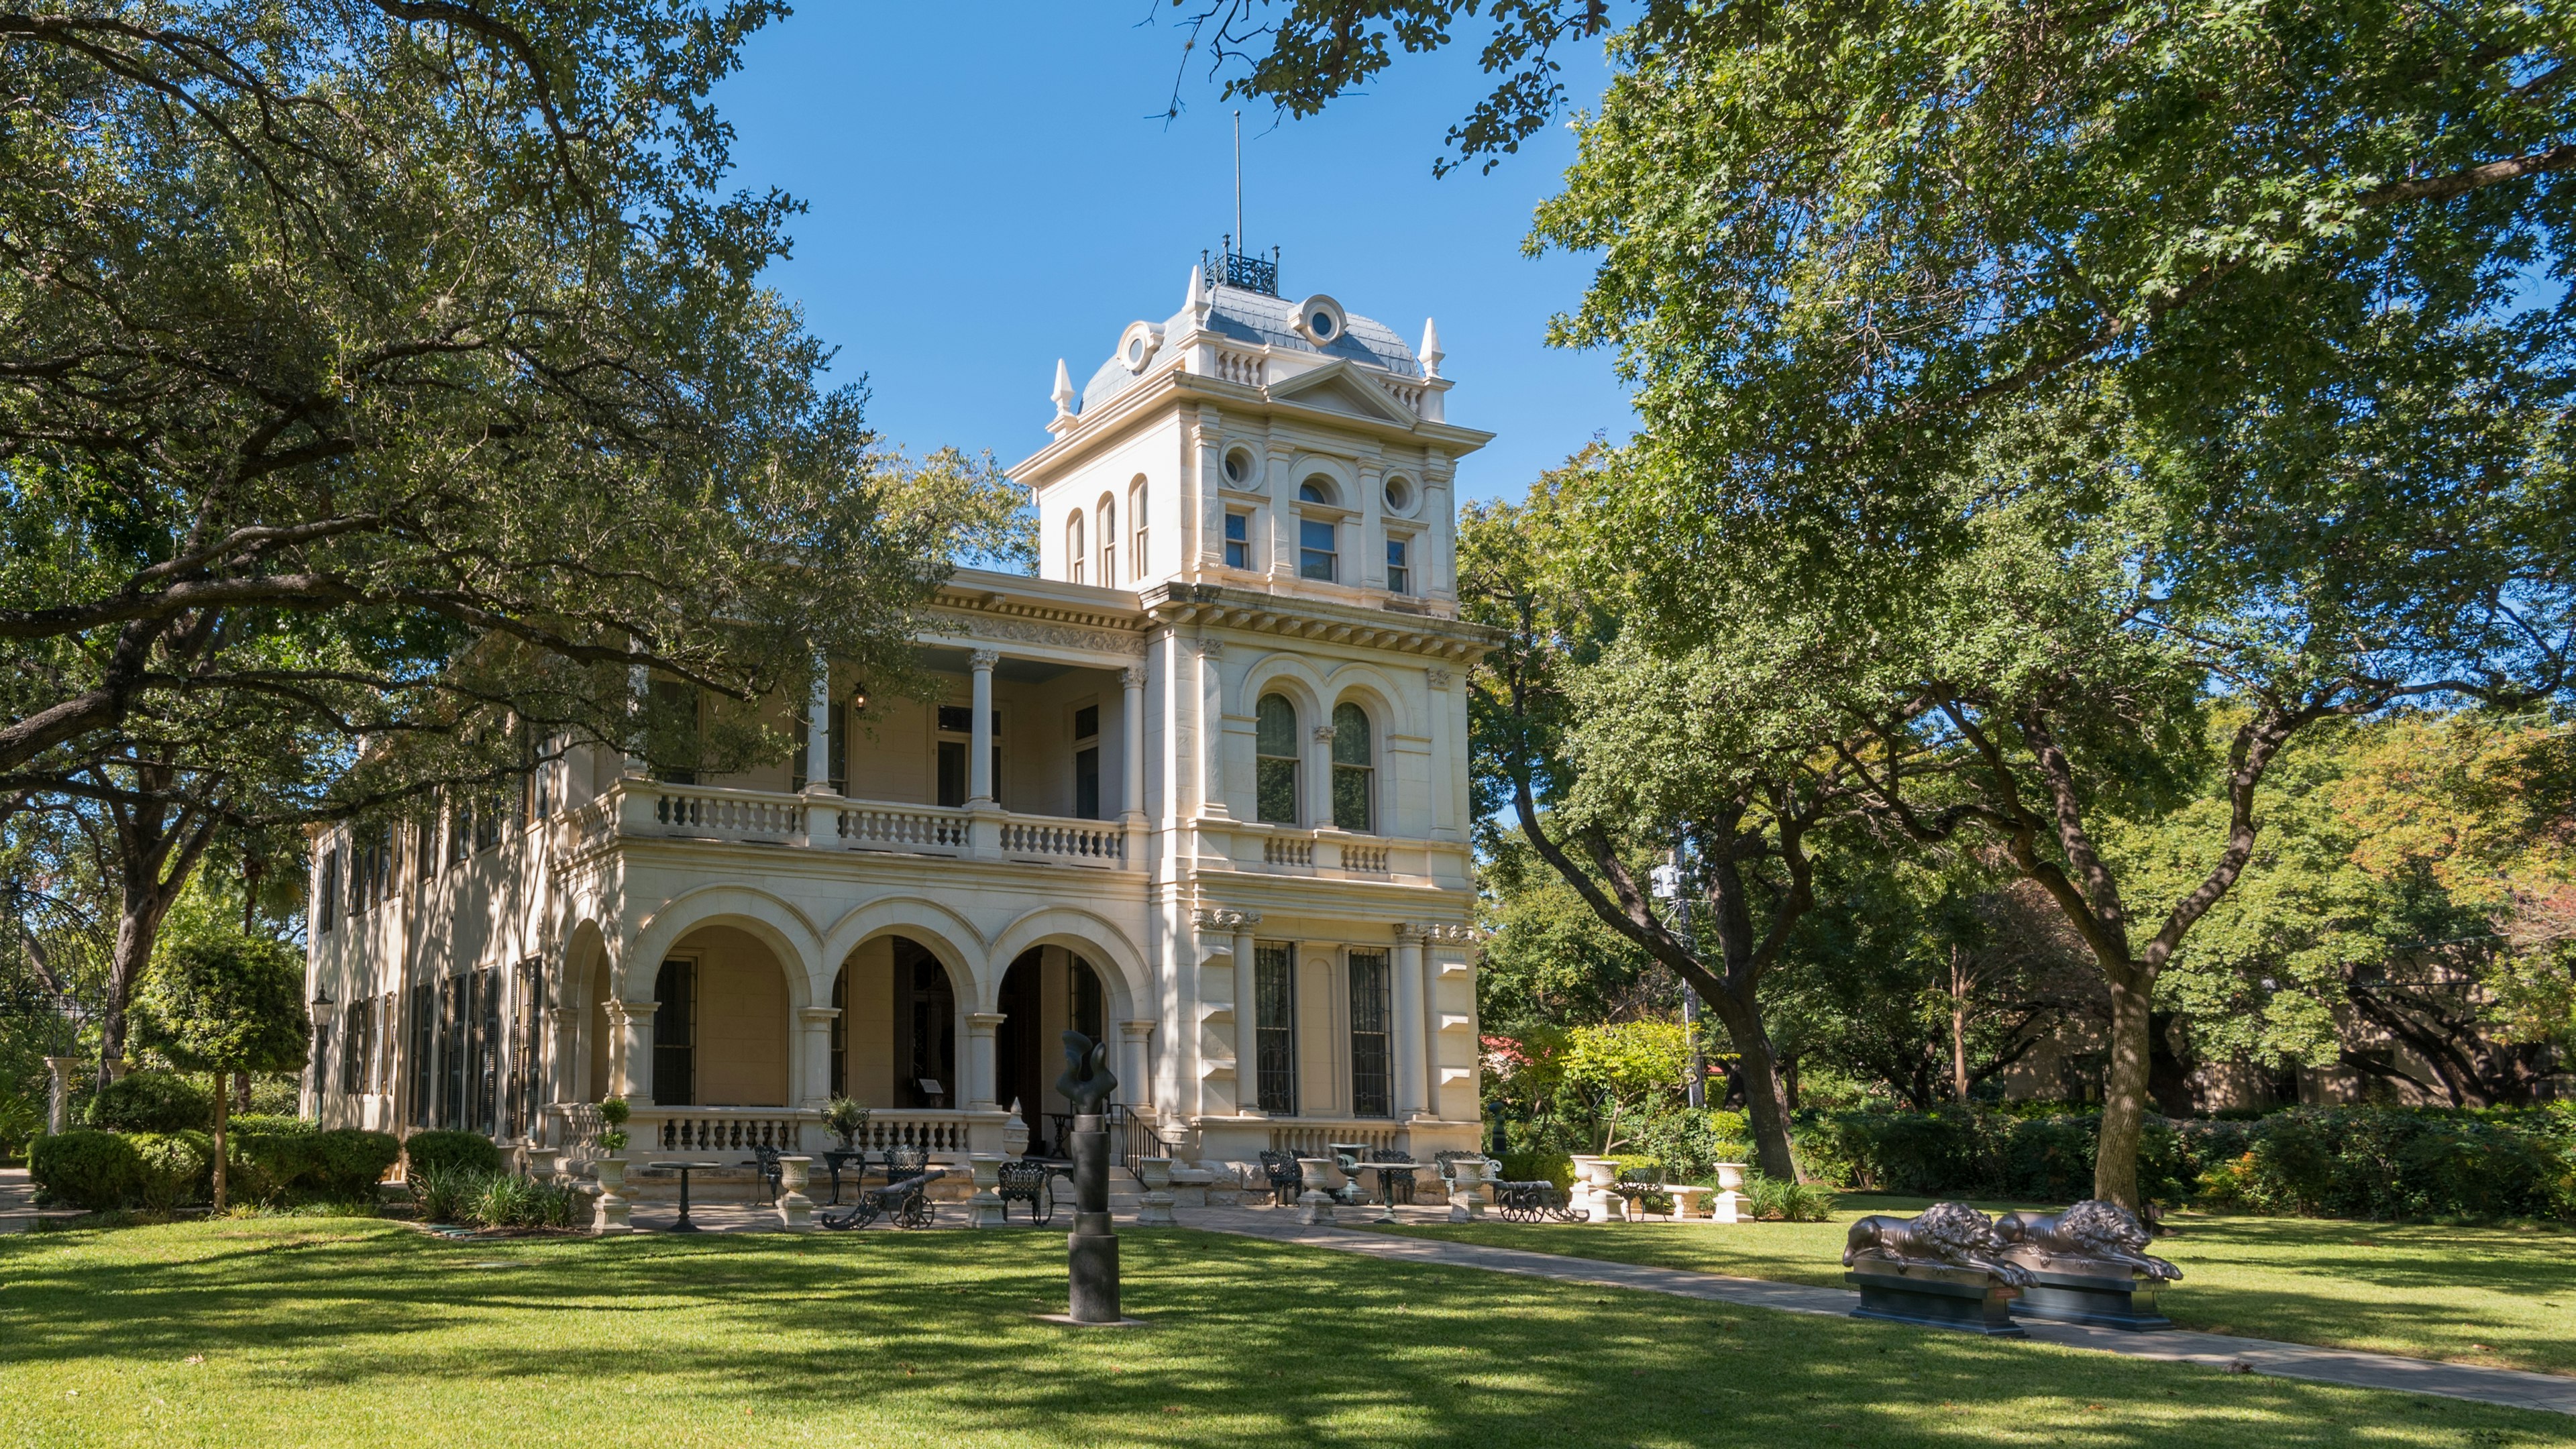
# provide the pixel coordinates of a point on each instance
(1032, 631)
(1220, 606)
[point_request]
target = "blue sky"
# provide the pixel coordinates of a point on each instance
(992, 188)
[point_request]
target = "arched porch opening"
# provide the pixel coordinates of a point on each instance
(898, 1042)
(1048, 991)
(721, 1032)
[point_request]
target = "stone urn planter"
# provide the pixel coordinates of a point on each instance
(612, 1208)
(1730, 1177)
(1468, 1189)
(1729, 1205)
(1592, 1192)
(795, 1209)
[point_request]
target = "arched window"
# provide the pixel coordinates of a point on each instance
(1136, 523)
(1073, 549)
(1276, 748)
(1108, 543)
(1353, 771)
(1316, 489)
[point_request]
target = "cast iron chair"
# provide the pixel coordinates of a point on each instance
(772, 1175)
(1028, 1180)
(1287, 1179)
(1643, 1187)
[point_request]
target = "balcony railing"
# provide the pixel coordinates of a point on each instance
(943, 1134)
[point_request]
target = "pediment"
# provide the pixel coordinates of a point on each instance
(1339, 387)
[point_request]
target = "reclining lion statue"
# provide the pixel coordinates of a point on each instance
(2092, 1229)
(1947, 1235)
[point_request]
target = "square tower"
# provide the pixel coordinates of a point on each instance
(1290, 448)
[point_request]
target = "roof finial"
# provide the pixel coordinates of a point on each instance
(1431, 353)
(1198, 296)
(1063, 393)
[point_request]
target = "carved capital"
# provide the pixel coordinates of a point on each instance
(1132, 677)
(1225, 918)
(1441, 933)
(1211, 650)
(1438, 676)
(984, 658)
(1323, 734)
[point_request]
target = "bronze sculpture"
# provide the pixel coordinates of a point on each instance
(1087, 1081)
(1091, 1253)
(1947, 1235)
(2087, 1265)
(1942, 1269)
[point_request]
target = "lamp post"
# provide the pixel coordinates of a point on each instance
(1672, 886)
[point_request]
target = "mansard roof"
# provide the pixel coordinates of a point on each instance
(1259, 320)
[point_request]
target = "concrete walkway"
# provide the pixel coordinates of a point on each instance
(18, 1210)
(2512, 1387)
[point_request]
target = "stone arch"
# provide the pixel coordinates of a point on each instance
(947, 935)
(1390, 712)
(775, 923)
(1121, 962)
(1293, 675)
(1344, 478)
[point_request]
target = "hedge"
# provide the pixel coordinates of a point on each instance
(86, 1168)
(2359, 1162)
(152, 1102)
(436, 1149)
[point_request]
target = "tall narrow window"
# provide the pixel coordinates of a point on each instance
(322, 1060)
(487, 1052)
(1238, 540)
(424, 850)
(841, 1033)
(1108, 543)
(1274, 995)
(455, 1031)
(1315, 556)
(1399, 572)
(1275, 748)
(528, 1048)
(460, 828)
(1371, 1065)
(1136, 527)
(1353, 776)
(1086, 762)
(424, 1055)
(353, 1049)
(1085, 1007)
(1073, 548)
(675, 1035)
(327, 893)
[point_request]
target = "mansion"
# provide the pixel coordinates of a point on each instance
(1198, 788)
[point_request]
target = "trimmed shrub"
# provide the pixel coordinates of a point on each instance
(452, 1149)
(266, 1157)
(348, 1162)
(173, 1170)
(152, 1102)
(2358, 1162)
(88, 1169)
(1691, 1144)
(1553, 1167)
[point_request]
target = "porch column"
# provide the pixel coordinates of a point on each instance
(980, 1083)
(1319, 772)
(818, 730)
(1247, 1019)
(634, 1023)
(565, 1085)
(814, 1054)
(58, 1094)
(1411, 1089)
(1132, 1063)
(1131, 779)
(979, 752)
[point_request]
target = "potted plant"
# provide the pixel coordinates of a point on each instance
(611, 1165)
(845, 1120)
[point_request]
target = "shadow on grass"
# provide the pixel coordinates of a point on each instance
(1252, 1342)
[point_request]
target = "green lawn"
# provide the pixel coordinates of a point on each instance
(2499, 1296)
(283, 1331)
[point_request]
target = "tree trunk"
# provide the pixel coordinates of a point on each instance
(1958, 1026)
(222, 1103)
(1759, 1075)
(2124, 1093)
(241, 1091)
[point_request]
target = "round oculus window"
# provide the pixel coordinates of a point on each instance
(1319, 319)
(1399, 495)
(1322, 325)
(1135, 351)
(1238, 466)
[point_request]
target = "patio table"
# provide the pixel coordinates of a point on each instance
(684, 1225)
(833, 1160)
(1385, 1201)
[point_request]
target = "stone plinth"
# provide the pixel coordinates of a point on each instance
(1156, 1209)
(2087, 1290)
(1966, 1299)
(1315, 1208)
(612, 1208)
(1592, 1192)
(1190, 1186)
(985, 1208)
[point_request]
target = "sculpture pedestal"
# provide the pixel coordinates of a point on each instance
(1190, 1186)
(984, 1209)
(1156, 1209)
(613, 1208)
(1960, 1298)
(2106, 1295)
(1315, 1209)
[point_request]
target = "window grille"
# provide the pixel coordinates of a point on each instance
(1274, 991)
(1371, 1069)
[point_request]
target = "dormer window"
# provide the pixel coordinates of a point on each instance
(1320, 319)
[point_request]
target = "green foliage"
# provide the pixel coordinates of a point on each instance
(507, 1201)
(445, 1192)
(173, 1170)
(349, 1162)
(20, 1120)
(1690, 1143)
(149, 1101)
(226, 1002)
(843, 1118)
(445, 1149)
(1537, 1165)
(1777, 1200)
(86, 1168)
(2355, 1162)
